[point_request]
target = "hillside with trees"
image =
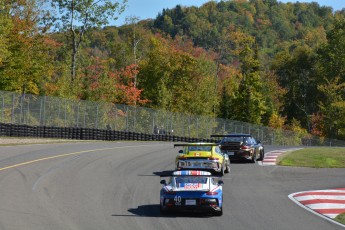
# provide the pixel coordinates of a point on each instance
(258, 61)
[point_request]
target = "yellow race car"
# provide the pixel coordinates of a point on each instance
(202, 156)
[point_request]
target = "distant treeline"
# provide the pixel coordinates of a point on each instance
(258, 61)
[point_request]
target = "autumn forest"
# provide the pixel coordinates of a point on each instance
(259, 61)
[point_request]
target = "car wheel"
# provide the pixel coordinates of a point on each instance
(227, 168)
(219, 213)
(221, 173)
(253, 158)
(261, 155)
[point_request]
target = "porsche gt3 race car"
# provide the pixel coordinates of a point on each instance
(241, 146)
(202, 156)
(192, 190)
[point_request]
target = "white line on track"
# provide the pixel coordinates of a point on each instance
(70, 154)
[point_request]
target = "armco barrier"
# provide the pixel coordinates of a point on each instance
(14, 130)
(78, 133)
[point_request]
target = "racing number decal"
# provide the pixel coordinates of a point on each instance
(177, 200)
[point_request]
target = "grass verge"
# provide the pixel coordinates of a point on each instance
(314, 158)
(340, 218)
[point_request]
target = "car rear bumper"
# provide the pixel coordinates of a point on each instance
(194, 208)
(211, 170)
(210, 166)
(239, 155)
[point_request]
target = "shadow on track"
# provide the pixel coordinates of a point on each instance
(162, 173)
(152, 210)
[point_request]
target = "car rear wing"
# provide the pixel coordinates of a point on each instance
(231, 135)
(195, 144)
(172, 175)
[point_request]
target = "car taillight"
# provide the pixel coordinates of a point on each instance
(212, 193)
(213, 158)
(244, 147)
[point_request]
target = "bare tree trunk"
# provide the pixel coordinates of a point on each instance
(74, 56)
(77, 39)
(74, 45)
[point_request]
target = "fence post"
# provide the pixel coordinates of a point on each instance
(153, 124)
(188, 126)
(42, 111)
(197, 127)
(97, 117)
(85, 109)
(3, 109)
(12, 117)
(65, 113)
(127, 118)
(115, 123)
(27, 112)
(77, 119)
(183, 126)
(21, 116)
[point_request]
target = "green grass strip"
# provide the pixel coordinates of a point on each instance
(314, 157)
(340, 218)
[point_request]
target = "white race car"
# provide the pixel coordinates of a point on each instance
(192, 190)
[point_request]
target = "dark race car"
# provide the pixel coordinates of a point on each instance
(241, 147)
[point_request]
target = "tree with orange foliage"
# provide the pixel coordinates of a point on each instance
(126, 88)
(99, 83)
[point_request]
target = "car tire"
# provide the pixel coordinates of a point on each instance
(219, 213)
(221, 173)
(253, 158)
(262, 155)
(227, 168)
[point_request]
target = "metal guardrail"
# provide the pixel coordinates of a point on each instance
(50, 111)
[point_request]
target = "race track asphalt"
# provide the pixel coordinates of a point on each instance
(115, 185)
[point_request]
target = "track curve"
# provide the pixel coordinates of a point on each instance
(115, 185)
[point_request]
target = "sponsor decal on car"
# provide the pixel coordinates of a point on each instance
(192, 186)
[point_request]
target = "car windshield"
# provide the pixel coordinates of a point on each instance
(200, 148)
(190, 180)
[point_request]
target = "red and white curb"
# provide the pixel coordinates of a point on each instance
(325, 203)
(271, 157)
